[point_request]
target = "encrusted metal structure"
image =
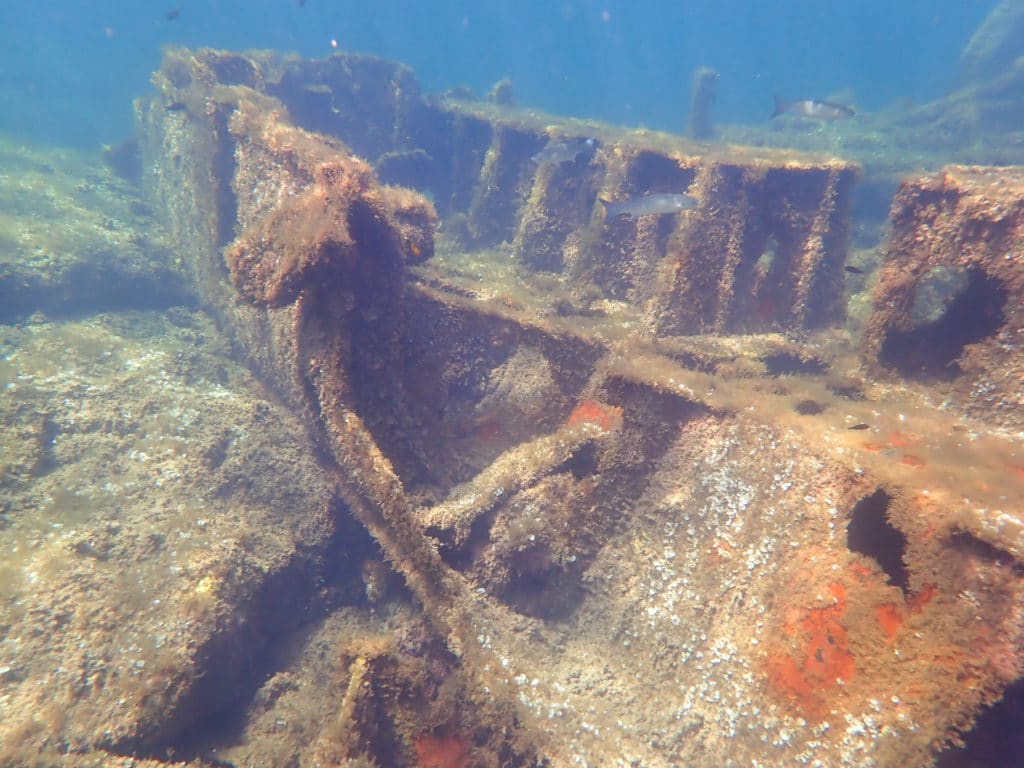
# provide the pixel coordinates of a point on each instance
(948, 308)
(648, 527)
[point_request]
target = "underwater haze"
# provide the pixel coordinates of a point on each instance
(69, 68)
(512, 383)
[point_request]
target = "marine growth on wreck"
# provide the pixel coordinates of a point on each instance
(459, 434)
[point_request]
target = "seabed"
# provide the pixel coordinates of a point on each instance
(383, 446)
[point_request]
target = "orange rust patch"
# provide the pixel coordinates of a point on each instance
(788, 679)
(838, 591)
(821, 660)
(902, 440)
(720, 550)
(919, 600)
(488, 430)
(861, 571)
(890, 619)
(827, 659)
(441, 751)
(593, 412)
(891, 616)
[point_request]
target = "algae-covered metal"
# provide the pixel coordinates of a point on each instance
(630, 508)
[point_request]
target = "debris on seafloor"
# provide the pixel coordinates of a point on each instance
(656, 505)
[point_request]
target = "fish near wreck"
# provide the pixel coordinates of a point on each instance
(565, 151)
(649, 205)
(827, 111)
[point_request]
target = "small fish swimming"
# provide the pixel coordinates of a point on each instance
(817, 110)
(649, 205)
(853, 270)
(860, 427)
(173, 14)
(565, 151)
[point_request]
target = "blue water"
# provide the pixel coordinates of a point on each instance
(69, 68)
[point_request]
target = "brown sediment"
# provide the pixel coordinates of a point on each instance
(585, 444)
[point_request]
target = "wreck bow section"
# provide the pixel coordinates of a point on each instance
(649, 528)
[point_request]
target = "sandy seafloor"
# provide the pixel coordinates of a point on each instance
(158, 508)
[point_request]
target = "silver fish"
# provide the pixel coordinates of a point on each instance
(649, 205)
(817, 110)
(565, 151)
